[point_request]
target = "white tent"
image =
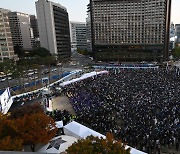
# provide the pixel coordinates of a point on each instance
(59, 124)
(84, 76)
(5, 101)
(58, 144)
(79, 131)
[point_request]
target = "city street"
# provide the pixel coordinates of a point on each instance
(77, 61)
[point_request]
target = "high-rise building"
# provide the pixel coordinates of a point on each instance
(78, 35)
(130, 29)
(172, 37)
(35, 40)
(177, 32)
(6, 44)
(20, 29)
(88, 30)
(53, 24)
(34, 26)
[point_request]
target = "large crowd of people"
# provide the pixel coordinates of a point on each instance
(139, 106)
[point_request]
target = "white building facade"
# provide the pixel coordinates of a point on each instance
(78, 35)
(6, 44)
(53, 25)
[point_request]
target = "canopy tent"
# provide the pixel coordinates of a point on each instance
(80, 131)
(59, 124)
(84, 76)
(58, 144)
(5, 101)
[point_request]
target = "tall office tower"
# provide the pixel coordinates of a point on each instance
(78, 35)
(6, 45)
(88, 30)
(177, 32)
(133, 30)
(35, 39)
(21, 30)
(34, 26)
(53, 24)
(172, 37)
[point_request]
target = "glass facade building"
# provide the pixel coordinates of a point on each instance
(130, 29)
(53, 25)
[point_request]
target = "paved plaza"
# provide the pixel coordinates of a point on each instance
(62, 103)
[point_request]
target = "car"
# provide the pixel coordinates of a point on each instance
(54, 70)
(45, 72)
(3, 79)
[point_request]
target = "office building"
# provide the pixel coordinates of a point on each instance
(78, 35)
(88, 30)
(6, 44)
(35, 39)
(34, 26)
(172, 37)
(177, 32)
(132, 30)
(53, 24)
(20, 29)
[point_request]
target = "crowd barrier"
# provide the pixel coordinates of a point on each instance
(37, 82)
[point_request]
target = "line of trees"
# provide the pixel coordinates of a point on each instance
(38, 58)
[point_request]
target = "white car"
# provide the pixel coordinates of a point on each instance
(3, 79)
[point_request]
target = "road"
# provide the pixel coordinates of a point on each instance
(77, 61)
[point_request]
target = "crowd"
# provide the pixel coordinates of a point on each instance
(61, 115)
(139, 106)
(25, 99)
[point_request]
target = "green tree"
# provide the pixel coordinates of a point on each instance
(7, 67)
(18, 73)
(27, 65)
(94, 145)
(49, 61)
(61, 62)
(38, 62)
(42, 52)
(176, 52)
(19, 51)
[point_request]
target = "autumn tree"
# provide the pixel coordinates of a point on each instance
(36, 128)
(11, 144)
(9, 136)
(94, 145)
(29, 126)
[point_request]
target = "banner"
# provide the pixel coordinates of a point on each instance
(5, 101)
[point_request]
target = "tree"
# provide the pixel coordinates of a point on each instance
(18, 73)
(19, 51)
(7, 67)
(36, 128)
(94, 145)
(48, 61)
(176, 52)
(38, 62)
(42, 52)
(9, 137)
(11, 144)
(28, 129)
